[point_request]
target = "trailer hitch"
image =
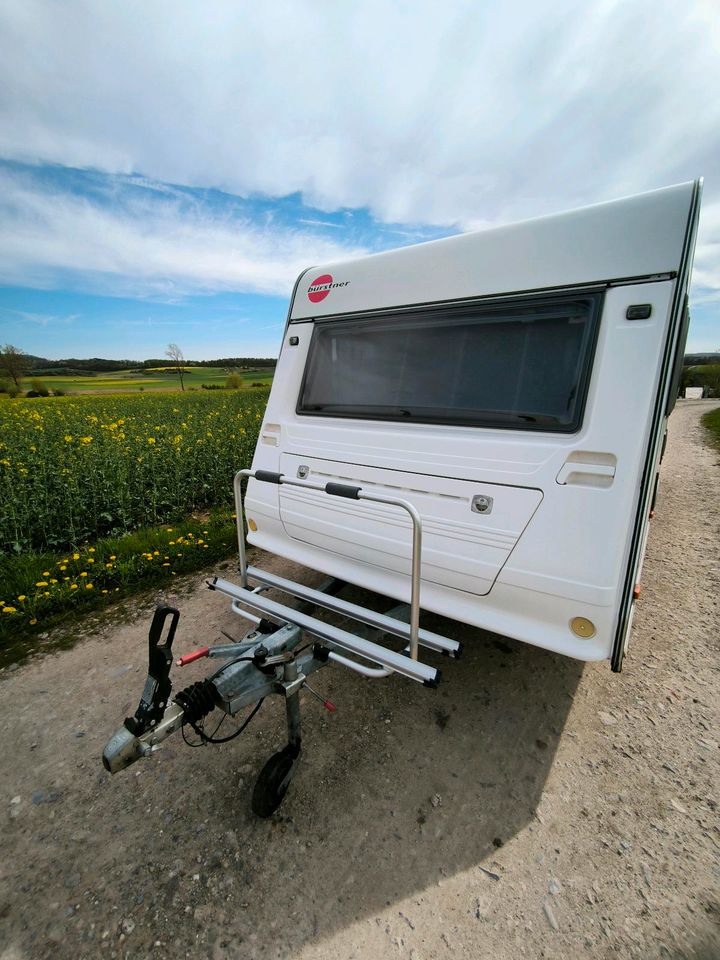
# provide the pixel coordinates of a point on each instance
(154, 713)
(261, 665)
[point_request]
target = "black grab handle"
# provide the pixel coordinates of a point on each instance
(343, 490)
(268, 476)
(334, 489)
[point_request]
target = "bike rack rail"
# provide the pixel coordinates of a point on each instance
(375, 653)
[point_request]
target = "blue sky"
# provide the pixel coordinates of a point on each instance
(119, 266)
(166, 177)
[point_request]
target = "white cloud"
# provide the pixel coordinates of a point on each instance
(454, 113)
(706, 269)
(427, 112)
(146, 246)
(40, 319)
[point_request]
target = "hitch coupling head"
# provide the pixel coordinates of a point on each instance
(122, 749)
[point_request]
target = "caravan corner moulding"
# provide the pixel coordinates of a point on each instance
(513, 386)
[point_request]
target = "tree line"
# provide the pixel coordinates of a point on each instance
(14, 359)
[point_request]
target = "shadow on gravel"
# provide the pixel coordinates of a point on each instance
(402, 788)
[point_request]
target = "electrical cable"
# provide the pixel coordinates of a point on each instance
(205, 738)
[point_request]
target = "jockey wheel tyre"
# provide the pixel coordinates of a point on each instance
(273, 782)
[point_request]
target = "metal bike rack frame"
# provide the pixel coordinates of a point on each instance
(348, 492)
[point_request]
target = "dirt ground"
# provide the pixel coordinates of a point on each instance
(529, 807)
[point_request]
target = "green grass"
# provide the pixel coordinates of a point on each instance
(41, 590)
(151, 381)
(101, 496)
(712, 421)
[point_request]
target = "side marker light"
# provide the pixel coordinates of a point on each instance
(582, 627)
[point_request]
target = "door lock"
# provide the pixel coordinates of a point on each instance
(481, 504)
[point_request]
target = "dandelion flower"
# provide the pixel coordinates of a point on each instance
(9, 610)
(41, 583)
(21, 597)
(73, 586)
(76, 556)
(88, 586)
(113, 557)
(33, 622)
(83, 574)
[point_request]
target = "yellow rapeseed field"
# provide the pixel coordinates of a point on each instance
(99, 495)
(76, 468)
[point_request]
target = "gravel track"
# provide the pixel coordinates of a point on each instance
(530, 807)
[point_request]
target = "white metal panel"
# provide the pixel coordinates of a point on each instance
(639, 236)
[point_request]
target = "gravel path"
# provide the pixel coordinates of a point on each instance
(529, 807)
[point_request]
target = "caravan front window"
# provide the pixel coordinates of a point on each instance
(522, 365)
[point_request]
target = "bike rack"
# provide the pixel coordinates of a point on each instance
(388, 660)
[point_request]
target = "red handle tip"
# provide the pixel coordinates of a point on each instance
(329, 705)
(195, 655)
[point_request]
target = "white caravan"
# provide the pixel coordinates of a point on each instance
(472, 425)
(514, 386)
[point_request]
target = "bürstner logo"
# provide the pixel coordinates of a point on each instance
(321, 287)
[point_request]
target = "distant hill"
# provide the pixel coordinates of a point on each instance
(700, 359)
(73, 367)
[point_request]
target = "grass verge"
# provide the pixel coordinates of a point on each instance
(39, 590)
(711, 420)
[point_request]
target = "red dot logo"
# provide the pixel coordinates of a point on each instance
(319, 288)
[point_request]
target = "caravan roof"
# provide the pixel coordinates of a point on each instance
(638, 237)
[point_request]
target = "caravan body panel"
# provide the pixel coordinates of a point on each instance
(500, 365)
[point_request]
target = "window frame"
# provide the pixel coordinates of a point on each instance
(594, 295)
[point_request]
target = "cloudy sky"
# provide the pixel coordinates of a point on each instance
(167, 168)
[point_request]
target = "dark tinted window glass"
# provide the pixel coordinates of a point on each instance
(511, 366)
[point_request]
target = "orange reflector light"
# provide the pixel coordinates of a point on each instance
(582, 627)
(252, 524)
(637, 591)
